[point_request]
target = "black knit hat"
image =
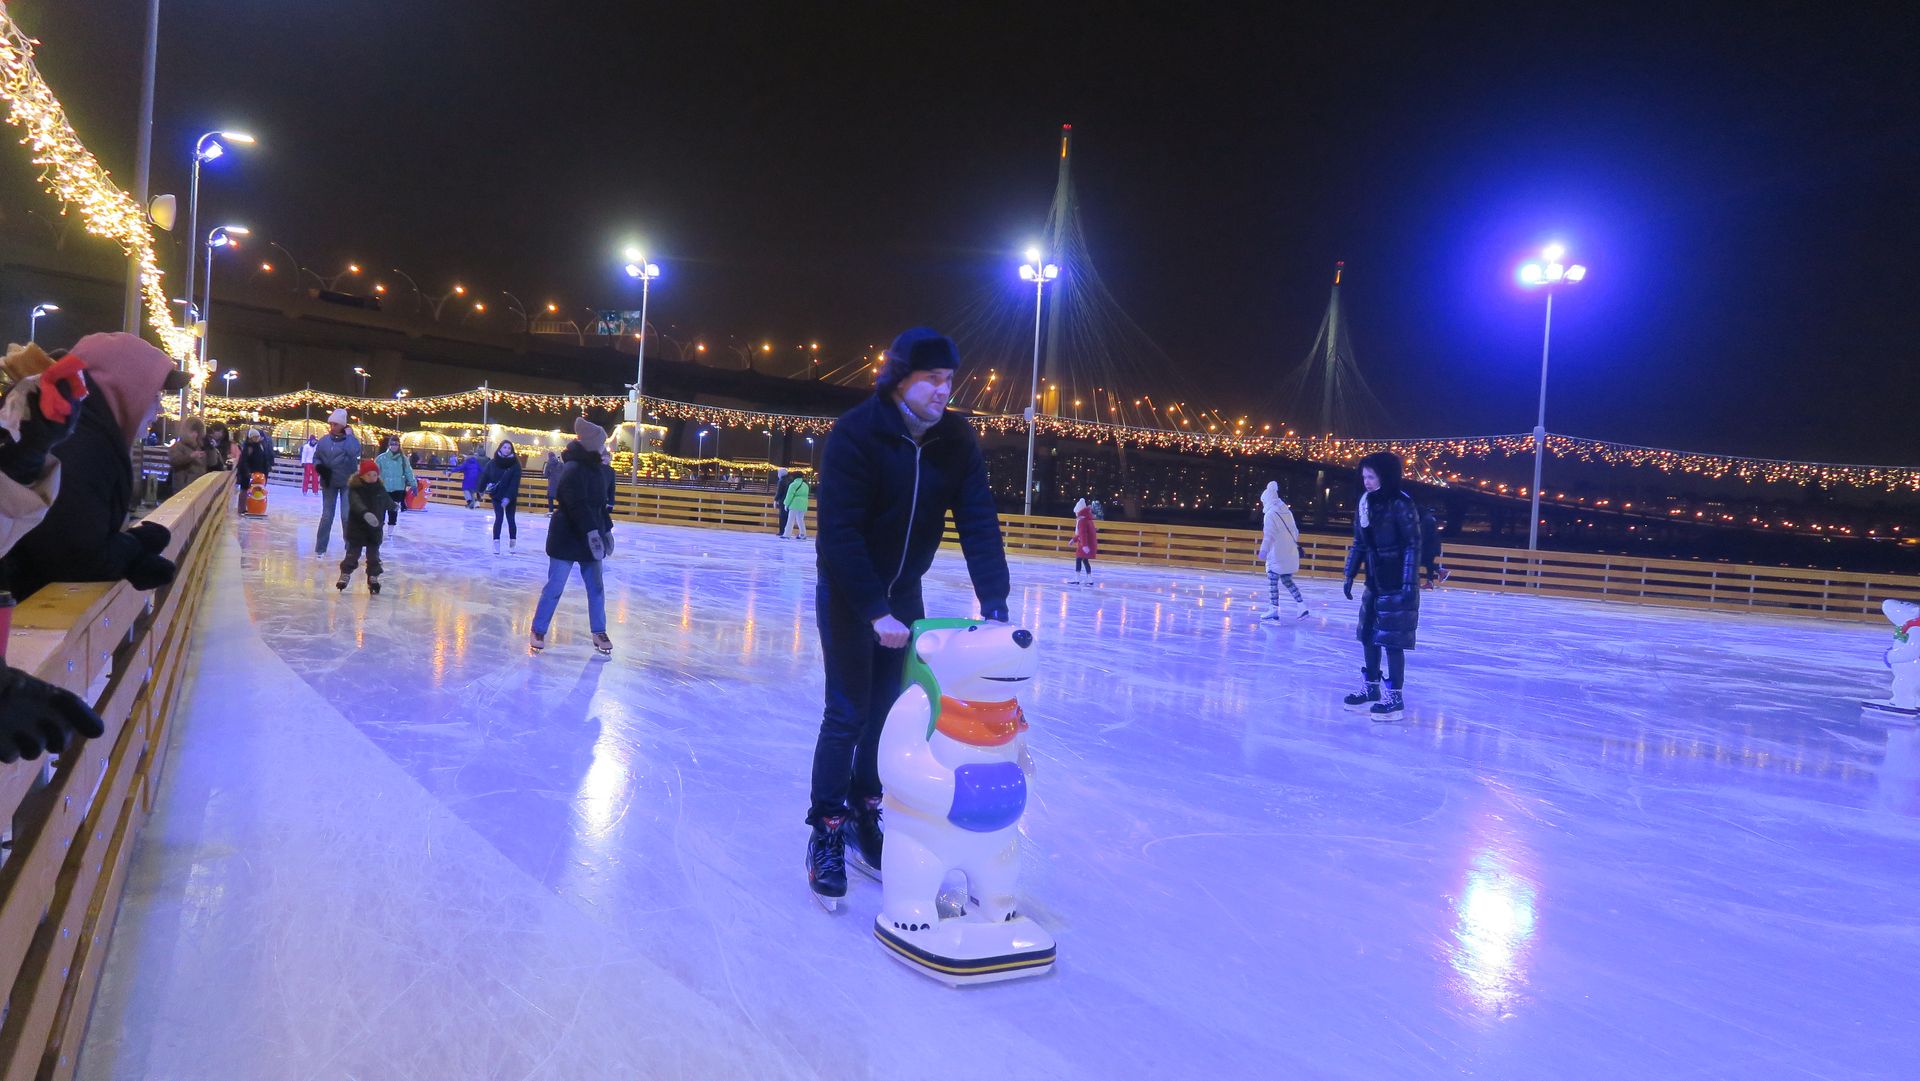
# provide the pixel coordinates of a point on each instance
(921, 349)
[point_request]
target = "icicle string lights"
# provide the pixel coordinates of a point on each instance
(70, 173)
(1428, 458)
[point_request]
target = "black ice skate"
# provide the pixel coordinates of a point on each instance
(373, 584)
(827, 862)
(1365, 698)
(341, 585)
(868, 837)
(1392, 709)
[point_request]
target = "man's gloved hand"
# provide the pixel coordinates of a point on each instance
(53, 412)
(152, 536)
(150, 572)
(36, 717)
(1347, 588)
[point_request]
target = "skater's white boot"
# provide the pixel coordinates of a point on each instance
(1271, 615)
(1301, 611)
(496, 546)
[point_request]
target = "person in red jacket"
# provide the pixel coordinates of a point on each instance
(1086, 544)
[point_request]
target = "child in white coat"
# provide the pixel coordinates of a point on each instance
(1280, 547)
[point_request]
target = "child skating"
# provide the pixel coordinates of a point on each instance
(367, 507)
(1086, 544)
(1280, 547)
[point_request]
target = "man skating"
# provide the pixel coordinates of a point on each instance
(336, 459)
(895, 466)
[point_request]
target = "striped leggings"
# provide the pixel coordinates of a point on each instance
(1274, 581)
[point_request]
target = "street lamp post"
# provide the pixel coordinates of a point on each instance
(768, 432)
(702, 451)
(206, 148)
(362, 373)
(1547, 274)
(219, 237)
(33, 318)
(228, 379)
(1033, 270)
(638, 267)
(809, 452)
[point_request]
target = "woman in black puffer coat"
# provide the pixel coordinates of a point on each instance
(1386, 544)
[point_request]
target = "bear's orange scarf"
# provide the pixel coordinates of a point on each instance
(982, 724)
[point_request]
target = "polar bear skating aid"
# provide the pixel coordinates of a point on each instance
(1903, 660)
(954, 766)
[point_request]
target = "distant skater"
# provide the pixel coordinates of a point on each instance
(1086, 544)
(1280, 547)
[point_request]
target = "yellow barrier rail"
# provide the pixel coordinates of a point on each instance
(1674, 583)
(75, 820)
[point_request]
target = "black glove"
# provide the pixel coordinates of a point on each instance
(152, 536)
(1347, 588)
(36, 716)
(325, 474)
(150, 572)
(25, 459)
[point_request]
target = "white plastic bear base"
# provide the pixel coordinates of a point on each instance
(1903, 660)
(954, 765)
(970, 949)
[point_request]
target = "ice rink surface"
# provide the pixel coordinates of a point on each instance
(1607, 842)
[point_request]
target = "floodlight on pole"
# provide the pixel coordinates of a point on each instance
(206, 148)
(1549, 273)
(362, 373)
(219, 237)
(33, 318)
(638, 267)
(1039, 273)
(228, 379)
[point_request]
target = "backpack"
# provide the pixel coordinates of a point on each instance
(1429, 537)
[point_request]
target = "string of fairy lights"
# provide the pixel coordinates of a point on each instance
(71, 174)
(1432, 459)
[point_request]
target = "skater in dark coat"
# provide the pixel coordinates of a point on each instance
(1386, 544)
(368, 503)
(895, 466)
(501, 482)
(580, 534)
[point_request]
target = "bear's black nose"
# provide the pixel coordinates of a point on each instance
(1023, 638)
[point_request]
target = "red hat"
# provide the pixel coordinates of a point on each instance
(369, 467)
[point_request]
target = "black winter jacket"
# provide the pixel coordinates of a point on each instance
(254, 458)
(581, 496)
(83, 538)
(1389, 551)
(884, 501)
(366, 495)
(502, 478)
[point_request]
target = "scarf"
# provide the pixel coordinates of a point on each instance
(982, 724)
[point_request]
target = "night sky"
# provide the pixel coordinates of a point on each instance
(1744, 183)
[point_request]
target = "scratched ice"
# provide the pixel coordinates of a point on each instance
(1608, 842)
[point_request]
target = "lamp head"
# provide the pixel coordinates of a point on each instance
(240, 137)
(1026, 272)
(1033, 255)
(42, 309)
(1051, 272)
(1531, 274)
(1576, 272)
(212, 151)
(1553, 253)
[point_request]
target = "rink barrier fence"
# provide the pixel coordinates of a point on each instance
(74, 820)
(1672, 583)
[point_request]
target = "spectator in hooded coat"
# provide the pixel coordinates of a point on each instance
(40, 412)
(84, 536)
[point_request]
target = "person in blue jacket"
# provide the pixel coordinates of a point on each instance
(895, 466)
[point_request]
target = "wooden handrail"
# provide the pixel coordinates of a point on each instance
(125, 652)
(1850, 595)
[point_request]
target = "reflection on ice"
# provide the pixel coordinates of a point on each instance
(1494, 933)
